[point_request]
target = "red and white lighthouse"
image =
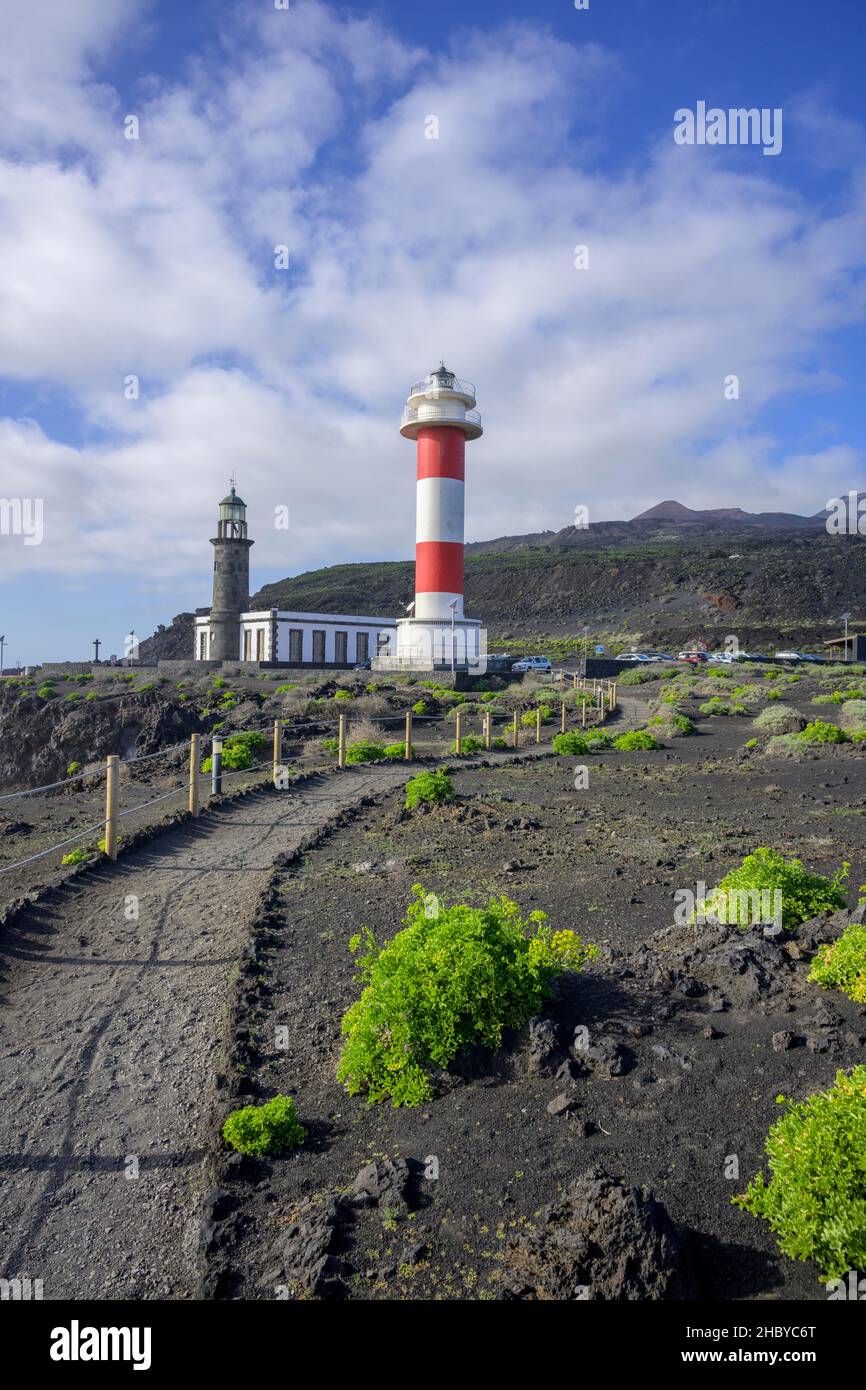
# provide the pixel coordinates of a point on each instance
(440, 414)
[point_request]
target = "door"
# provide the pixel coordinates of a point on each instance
(296, 645)
(362, 646)
(318, 645)
(341, 647)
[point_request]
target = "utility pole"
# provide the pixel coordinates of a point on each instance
(845, 617)
(2, 645)
(585, 640)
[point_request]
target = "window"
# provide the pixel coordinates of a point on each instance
(318, 645)
(248, 644)
(296, 645)
(362, 646)
(260, 644)
(341, 647)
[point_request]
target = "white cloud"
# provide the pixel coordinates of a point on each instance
(603, 387)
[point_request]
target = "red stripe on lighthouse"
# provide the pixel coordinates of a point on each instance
(441, 452)
(438, 567)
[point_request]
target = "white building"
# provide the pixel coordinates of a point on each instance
(304, 639)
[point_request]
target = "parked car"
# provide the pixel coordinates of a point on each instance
(634, 656)
(363, 665)
(532, 663)
(721, 658)
(788, 656)
(694, 658)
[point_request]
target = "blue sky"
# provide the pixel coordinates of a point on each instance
(309, 128)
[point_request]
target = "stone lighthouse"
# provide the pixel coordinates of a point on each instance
(440, 416)
(231, 578)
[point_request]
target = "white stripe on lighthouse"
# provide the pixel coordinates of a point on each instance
(440, 510)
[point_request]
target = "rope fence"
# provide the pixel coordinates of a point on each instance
(602, 693)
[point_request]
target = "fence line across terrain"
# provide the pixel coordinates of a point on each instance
(604, 690)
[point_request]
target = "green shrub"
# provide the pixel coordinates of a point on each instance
(635, 675)
(815, 1199)
(636, 739)
(420, 707)
(804, 895)
(571, 744)
(781, 719)
(469, 743)
(853, 715)
(272, 1128)
(751, 743)
(499, 742)
(859, 736)
(675, 725)
(218, 682)
(818, 731)
(364, 750)
(330, 745)
(451, 977)
(236, 758)
(281, 689)
(72, 696)
(342, 694)
(46, 692)
(773, 694)
(598, 738)
(77, 855)
(435, 787)
(92, 695)
(841, 964)
(397, 750)
(73, 768)
(252, 739)
(529, 717)
(717, 706)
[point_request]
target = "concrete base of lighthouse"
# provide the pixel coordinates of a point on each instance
(435, 644)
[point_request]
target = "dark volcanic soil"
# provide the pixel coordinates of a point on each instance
(698, 1069)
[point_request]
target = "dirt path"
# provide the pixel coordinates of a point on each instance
(109, 1030)
(112, 1012)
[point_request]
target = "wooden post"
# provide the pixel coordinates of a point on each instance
(574, 682)
(457, 727)
(341, 742)
(216, 766)
(193, 774)
(278, 747)
(613, 697)
(562, 719)
(407, 749)
(111, 806)
(487, 722)
(583, 714)
(538, 724)
(515, 733)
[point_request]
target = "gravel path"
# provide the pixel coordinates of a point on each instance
(110, 1028)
